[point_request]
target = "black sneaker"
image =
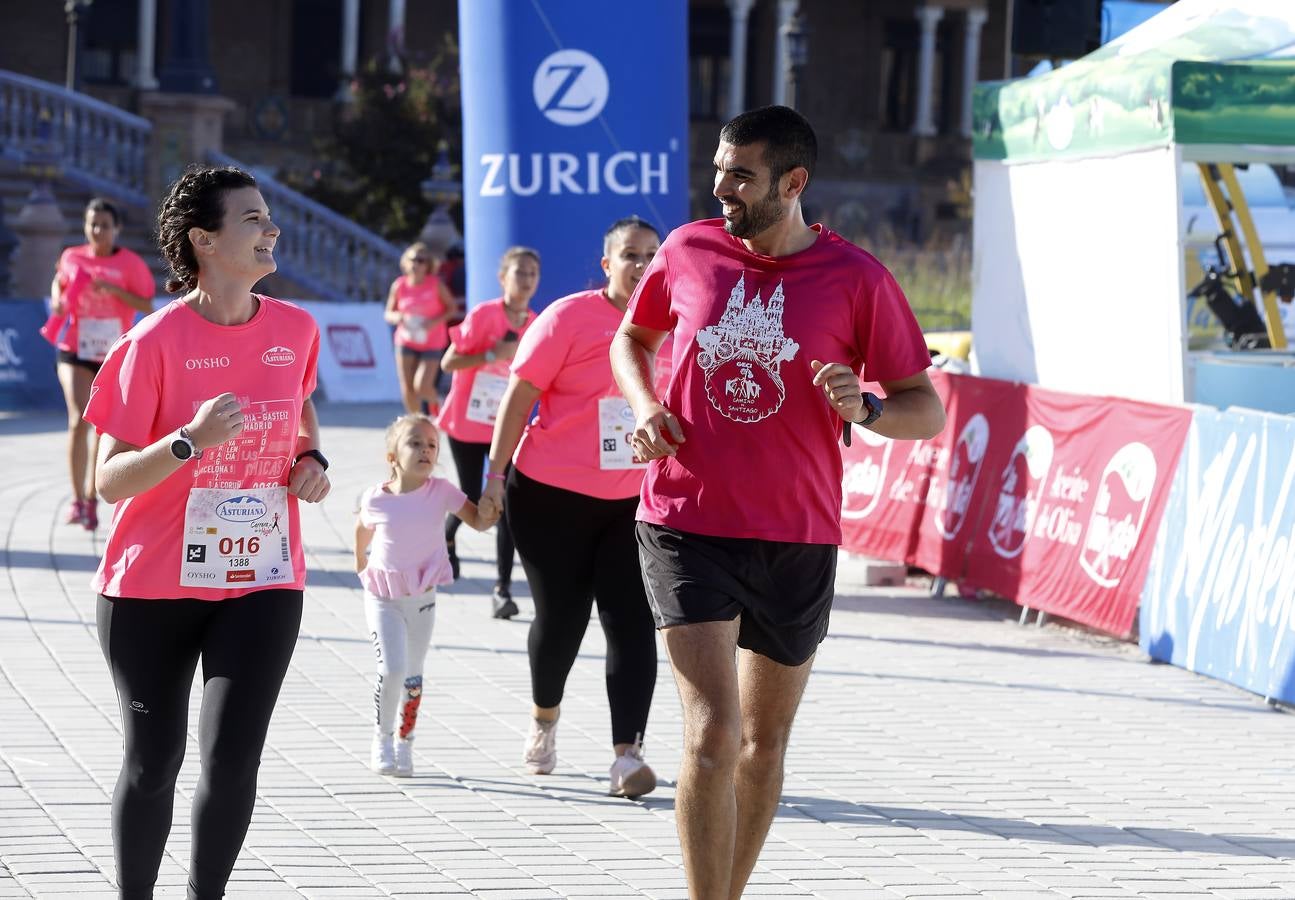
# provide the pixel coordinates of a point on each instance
(502, 603)
(454, 561)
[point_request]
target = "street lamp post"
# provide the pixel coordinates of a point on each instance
(796, 39)
(440, 190)
(72, 8)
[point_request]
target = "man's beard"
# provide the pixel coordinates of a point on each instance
(755, 219)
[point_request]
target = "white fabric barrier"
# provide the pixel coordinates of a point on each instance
(356, 357)
(1077, 275)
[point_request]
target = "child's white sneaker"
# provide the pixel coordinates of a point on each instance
(382, 755)
(542, 747)
(630, 776)
(404, 764)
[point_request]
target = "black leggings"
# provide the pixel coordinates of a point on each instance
(153, 647)
(576, 549)
(470, 462)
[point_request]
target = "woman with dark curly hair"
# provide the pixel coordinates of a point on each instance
(210, 440)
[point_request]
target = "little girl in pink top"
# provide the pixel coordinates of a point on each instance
(401, 557)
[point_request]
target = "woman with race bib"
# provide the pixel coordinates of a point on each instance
(97, 290)
(480, 350)
(419, 304)
(572, 494)
(210, 441)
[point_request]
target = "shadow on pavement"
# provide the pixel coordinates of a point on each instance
(1041, 652)
(1241, 705)
(843, 811)
(40, 559)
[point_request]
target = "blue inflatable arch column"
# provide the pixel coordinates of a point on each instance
(575, 114)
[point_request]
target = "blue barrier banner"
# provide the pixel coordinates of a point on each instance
(1220, 592)
(575, 114)
(28, 378)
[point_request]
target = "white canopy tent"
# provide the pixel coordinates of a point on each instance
(1079, 230)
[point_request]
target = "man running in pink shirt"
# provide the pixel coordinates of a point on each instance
(739, 518)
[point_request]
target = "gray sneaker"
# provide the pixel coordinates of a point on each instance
(502, 604)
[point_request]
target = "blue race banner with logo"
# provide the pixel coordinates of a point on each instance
(28, 378)
(1219, 598)
(575, 114)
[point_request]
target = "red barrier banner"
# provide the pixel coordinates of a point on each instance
(1050, 499)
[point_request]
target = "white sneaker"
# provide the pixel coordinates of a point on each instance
(382, 755)
(541, 747)
(630, 776)
(404, 765)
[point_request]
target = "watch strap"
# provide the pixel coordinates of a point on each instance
(314, 454)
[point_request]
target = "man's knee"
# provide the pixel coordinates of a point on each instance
(764, 750)
(713, 744)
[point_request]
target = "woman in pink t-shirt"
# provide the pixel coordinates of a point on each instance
(480, 350)
(97, 290)
(572, 494)
(210, 440)
(400, 567)
(419, 304)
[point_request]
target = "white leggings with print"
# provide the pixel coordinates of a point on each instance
(401, 628)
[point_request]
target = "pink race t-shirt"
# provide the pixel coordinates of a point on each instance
(152, 383)
(760, 459)
(421, 301)
(462, 415)
(566, 356)
(106, 317)
(408, 555)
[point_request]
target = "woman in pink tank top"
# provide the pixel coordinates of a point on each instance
(97, 290)
(419, 305)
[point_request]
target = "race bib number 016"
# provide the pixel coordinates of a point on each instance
(236, 538)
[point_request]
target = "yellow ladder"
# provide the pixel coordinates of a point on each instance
(1228, 201)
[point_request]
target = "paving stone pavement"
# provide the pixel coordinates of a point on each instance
(941, 750)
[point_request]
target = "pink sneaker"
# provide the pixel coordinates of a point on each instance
(75, 513)
(90, 514)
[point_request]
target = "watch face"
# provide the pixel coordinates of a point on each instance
(181, 449)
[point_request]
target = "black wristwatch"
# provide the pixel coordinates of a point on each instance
(183, 447)
(313, 454)
(872, 403)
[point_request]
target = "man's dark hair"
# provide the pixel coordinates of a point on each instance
(788, 136)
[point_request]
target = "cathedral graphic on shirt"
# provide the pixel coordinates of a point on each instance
(742, 354)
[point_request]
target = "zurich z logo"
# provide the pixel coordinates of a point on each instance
(570, 87)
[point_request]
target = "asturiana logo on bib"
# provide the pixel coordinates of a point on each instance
(244, 508)
(279, 356)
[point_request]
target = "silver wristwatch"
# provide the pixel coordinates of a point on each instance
(183, 447)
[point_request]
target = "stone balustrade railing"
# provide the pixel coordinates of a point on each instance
(71, 135)
(322, 250)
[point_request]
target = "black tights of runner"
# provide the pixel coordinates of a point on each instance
(470, 462)
(153, 648)
(576, 549)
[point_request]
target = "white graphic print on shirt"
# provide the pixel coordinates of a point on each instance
(742, 356)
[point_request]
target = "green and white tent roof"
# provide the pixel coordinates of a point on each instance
(1217, 72)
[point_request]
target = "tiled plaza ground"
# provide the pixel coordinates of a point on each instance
(941, 751)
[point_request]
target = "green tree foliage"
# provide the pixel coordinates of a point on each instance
(385, 141)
